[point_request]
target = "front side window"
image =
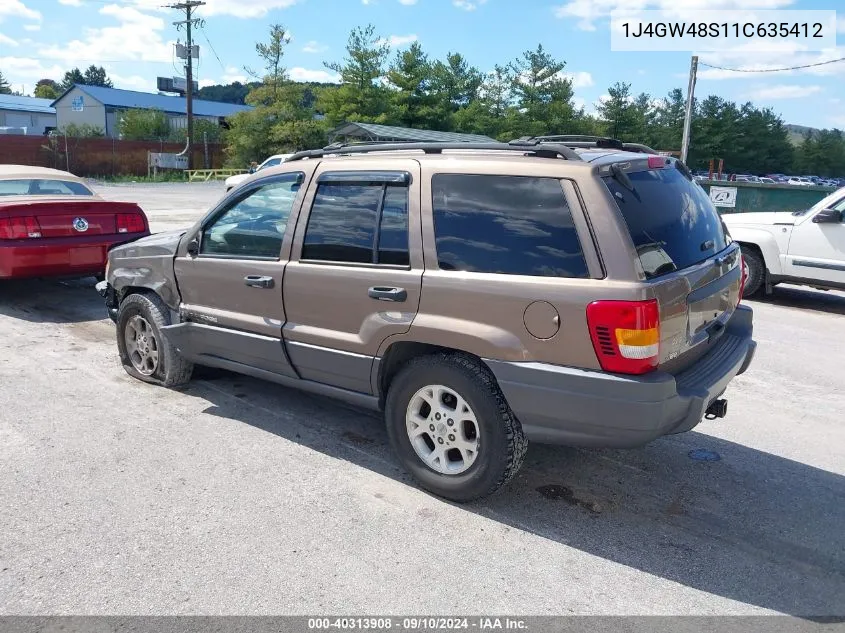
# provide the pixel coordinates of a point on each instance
(363, 222)
(513, 225)
(42, 187)
(255, 225)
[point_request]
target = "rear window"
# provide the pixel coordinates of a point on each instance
(671, 220)
(42, 187)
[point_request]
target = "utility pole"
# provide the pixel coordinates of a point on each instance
(188, 23)
(693, 69)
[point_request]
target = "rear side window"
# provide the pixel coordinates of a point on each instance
(41, 187)
(363, 222)
(515, 225)
(671, 220)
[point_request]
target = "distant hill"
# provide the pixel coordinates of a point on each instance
(798, 132)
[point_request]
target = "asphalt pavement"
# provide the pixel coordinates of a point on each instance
(235, 496)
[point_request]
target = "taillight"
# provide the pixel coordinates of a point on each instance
(130, 223)
(626, 335)
(19, 228)
(743, 278)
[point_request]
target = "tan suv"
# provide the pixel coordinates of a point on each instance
(580, 292)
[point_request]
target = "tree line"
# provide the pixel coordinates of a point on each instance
(528, 96)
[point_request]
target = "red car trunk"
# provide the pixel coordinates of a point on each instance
(58, 237)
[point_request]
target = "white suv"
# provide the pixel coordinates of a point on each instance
(276, 159)
(804, 247)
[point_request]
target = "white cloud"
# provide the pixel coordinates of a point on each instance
(18, 9)
(136, 37)
(783, 91)
(232, 75)
(72, 3)
(304, 74)
(395, 41)
(314, 47)
(133, 82)
(32, 27)
(468, 5)
(206, 82)
(588, 12)
(407, 2)
(580, 79)
(8, 41)
(26, 71)
(244, 8)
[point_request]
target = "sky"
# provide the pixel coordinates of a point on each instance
(133, 40)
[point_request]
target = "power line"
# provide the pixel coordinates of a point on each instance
(773, 70)
(211, 46)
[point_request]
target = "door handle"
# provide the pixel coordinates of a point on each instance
(387, 294)
(257, 281)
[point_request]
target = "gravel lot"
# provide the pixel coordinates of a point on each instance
(233, 496)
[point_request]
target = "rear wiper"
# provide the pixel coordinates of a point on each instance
(621, 177)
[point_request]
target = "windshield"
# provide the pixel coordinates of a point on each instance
(671, 220)
(42, 187)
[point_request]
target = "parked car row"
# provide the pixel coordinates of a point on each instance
(771, 179)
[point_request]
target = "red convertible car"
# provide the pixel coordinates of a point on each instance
(53, 225)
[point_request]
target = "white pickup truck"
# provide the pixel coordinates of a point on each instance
(804, 247)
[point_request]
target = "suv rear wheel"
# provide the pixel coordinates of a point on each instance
(451, 427)
(144, 352)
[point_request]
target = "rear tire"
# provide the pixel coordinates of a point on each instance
(756, 271)
(145, 353)
(479, 453)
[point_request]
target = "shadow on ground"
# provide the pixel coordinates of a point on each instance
(804, 298)
(52, 300)
(752, 527)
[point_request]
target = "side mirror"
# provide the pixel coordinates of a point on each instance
(194, 247)
(828, 216)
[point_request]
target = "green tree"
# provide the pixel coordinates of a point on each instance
(271, 53)
(5, 88)
(619, 112)
(361, 95)
(143, 125)
(455, 85)
(72, 77)
(669, 121)
(414, 104)
(96, 76)
(543, 95)
(47, 89)
(93, 76)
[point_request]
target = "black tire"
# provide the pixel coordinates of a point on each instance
(171, 369)
(502, 444)
(756, 271)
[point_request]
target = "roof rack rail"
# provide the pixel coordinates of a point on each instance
(531, 147)
(585, 140)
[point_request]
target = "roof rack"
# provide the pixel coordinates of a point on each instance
(585, 141)
(526, 145)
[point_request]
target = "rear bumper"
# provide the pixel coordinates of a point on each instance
(60, 256)
(563, 405)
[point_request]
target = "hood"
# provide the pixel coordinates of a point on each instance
(237, 179)
(158, 244)
(762, 218)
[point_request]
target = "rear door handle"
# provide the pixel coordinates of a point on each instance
(387, 294)
(257, 281)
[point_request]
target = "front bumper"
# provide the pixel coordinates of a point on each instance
(564, 405)
(107, 292)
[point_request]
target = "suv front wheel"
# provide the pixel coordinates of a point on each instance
(145, 353)
(451, 427)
